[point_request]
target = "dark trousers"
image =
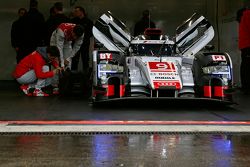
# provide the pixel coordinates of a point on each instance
(84, 53)
(86, 75)
(245, 69)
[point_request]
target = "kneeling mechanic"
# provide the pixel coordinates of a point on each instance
(33, 71)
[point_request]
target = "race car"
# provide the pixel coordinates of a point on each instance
(153, 66)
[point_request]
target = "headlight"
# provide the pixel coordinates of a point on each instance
(110, 68)
(186, 73)
(216, 70)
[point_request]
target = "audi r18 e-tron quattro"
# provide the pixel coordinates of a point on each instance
(154, 66)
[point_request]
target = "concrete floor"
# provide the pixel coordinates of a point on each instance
(127, 149)
(14, 105)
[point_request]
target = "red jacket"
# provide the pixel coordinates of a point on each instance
(67, 29)
(244, 30)
(35, 61)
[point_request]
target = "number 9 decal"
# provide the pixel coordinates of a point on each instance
(162, 66)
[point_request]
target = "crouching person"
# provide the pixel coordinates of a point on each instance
(68, 38)
(33, 71)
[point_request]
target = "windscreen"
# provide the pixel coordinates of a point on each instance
(152, 49)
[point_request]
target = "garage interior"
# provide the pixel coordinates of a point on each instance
(143, 135)
(166, 14)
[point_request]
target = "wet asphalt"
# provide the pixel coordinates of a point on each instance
(14, 105)
(132, 150)
(191, 150)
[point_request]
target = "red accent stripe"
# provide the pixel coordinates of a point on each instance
(122, 90)
(163, 70)
(219, 91)
(95, 92)
(207, 91)
(89, 122)
(110, 90)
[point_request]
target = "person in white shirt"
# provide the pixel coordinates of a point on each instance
(68, 38)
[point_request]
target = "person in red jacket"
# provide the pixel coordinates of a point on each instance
(244, 46)
(33, 71)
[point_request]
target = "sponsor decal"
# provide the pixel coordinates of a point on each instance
(174, 83)
(219, 58)
(163, 74)
(164, 78)
(105, 56)
(161, 66)
(153, 41)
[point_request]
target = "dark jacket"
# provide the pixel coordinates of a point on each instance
(87, 25)
(34, 28)
(142, 24)
(17, 35)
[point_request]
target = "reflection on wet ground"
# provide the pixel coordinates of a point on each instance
(187, 150)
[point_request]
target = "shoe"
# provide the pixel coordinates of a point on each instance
(39, 92)
(25, 89)
(55, 91)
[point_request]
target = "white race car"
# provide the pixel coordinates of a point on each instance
(153, 66)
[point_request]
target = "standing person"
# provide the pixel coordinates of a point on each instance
(33, 70)
(244, 46)
(56, 18)
(143, 23)
(80, 17)
(34, 28)
(17, 34)
(63, 37)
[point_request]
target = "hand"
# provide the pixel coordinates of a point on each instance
(66, 62)
(60, 69)
(56, 71)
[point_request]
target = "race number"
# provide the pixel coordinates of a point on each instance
(162, 66)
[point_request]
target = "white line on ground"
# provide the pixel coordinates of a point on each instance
(123, 128)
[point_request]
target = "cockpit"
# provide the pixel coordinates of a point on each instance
(151, 43)
(151, 49)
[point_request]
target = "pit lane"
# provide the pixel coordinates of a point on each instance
(155, 116)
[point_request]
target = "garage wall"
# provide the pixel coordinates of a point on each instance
(167, 14)
(229, 33)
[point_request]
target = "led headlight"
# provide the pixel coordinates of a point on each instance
(110, 68)
(186, 73)
(215, 70)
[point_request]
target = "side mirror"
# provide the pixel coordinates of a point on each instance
(209, 47)
(98, 45)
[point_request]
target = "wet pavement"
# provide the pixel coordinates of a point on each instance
(14, 105)
(219, 148)
(191, 150)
